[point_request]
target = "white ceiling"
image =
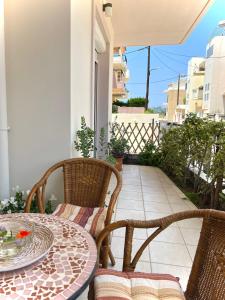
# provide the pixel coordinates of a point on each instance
(155, 22)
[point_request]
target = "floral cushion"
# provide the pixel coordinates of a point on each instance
(92, 219)
(110, 284)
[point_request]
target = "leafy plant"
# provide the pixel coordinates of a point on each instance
(114, 109)
(197, 146)
(85, 139)
(149, 111)
(118, 146)
(16, 203)
(137, 102)
(150, 155)
(132, 102)
(104, 152)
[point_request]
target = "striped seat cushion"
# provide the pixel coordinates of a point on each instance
(110, 284)
(92, 219)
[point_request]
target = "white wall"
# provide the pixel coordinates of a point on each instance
(84, 15)
(135, 118)
(38, 86)
(105, 70)
(81, 64)
(4, 162)
(215, 77)
(50, 75)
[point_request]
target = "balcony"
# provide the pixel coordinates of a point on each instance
(119, 63)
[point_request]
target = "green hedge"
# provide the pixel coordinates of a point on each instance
(132, 102)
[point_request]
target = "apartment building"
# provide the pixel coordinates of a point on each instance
(195, 84)
(175, 110)
(214, 82)
(120, 74)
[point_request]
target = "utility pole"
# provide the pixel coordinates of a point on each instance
(147, 80)
(178, 89)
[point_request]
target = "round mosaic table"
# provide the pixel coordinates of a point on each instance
(63, 273)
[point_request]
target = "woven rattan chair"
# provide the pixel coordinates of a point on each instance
(207, 278)
(86, 183)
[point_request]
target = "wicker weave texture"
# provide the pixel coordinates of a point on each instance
(207, 278)
(86, 182)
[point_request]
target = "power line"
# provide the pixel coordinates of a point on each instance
(164, 64)
(171, 58)
(140, 49)
(157, 81)
(190, 56)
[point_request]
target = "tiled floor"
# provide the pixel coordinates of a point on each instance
(147, 193)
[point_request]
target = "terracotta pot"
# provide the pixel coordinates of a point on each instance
(119, 163)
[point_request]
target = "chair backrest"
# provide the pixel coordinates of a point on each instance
(207, 279)
(86, 182)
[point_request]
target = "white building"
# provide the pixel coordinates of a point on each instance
(176, 108)
(214, 83)
(195, 83)
(56, 66)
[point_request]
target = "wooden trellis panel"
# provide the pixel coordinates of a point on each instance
(138, 134)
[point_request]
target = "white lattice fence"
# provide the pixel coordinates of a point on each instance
(138, 134)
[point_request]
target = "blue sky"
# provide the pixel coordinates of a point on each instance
(195, 45)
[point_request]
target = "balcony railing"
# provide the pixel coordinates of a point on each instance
(137, 134)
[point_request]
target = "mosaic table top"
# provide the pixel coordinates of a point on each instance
(62, 273)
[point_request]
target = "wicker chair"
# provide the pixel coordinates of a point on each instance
(207, 278)
(86, 182)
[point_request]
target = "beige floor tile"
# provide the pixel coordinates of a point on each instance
(150, 189)
(148, 182)
(175, 199)
(123, 214)
(132, 181)
(142, 266)
(173, 254)
(191, 236)
(191, 205)
(117, 247)
(177, 271)
(190, 223)
(173, 250)
(138, 233)
(192, 250)
(155, 197)
(169, 235)
(179, 207)
(136, 246)
(131, 204)
(135, 195)
(131, 188)
(157, 207)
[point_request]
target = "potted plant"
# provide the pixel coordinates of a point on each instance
(85, 143)
(85, 140)
(118, 147)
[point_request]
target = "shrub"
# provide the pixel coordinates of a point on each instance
(150, 111)
(114, 109)
(85, 139)
(197, 145)
(150, 155)
(137, 102)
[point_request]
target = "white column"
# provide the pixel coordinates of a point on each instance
(4, 159)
